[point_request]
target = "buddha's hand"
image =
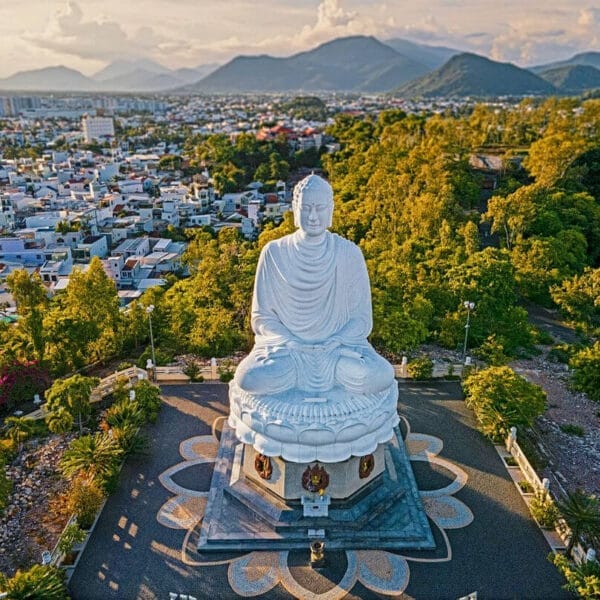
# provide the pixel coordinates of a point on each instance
(348, 353)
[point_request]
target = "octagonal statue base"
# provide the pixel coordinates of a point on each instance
(245, 512)
(285, 480)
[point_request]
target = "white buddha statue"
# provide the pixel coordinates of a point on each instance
(311, 310)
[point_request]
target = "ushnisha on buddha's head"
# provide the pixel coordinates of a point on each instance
(313, 205)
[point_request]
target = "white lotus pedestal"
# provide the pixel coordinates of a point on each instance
(295, 467)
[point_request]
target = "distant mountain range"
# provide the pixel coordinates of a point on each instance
(351, 64)
(120, 76)
(356, 63)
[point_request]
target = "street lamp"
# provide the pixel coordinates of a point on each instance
(469, 306)
(149, 310)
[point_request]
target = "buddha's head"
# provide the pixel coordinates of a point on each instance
(313, 205)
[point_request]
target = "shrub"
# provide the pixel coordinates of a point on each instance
(147, 396)
(492, 351)
(572, 429)
(84, 499)
(542, 337)
(586, 371)
(511, 461)
(125, 413)
(70, 536)
(543, 509)
(8, 450)
(40, 582)
(525, 487)
(501, 399)
(93, 456)
(582, 580)
(561, 353)
(420, 368)
(20, 381)
(192, 370)
(226, 371)
(129, 440)
(60, 420)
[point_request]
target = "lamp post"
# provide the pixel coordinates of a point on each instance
(469, 306)
(149, 310)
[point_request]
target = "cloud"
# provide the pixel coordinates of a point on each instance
(68, 32)
(527, 42)
(588, 17)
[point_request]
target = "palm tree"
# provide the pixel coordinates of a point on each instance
(582, 514)
(93, 456)
(41, 581)
(19, 429)
(125, 413)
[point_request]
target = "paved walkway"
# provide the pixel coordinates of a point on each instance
(486, 540)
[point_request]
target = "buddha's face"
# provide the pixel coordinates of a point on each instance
(313, 215)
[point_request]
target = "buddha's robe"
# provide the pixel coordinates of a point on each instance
(311, 315)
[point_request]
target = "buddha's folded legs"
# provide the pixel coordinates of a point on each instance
(368, 374)
(359, 370)
(258, 375)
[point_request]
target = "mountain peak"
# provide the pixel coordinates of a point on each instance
(469, 74)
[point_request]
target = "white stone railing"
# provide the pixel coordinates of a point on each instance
(561, 527)
(107, 384)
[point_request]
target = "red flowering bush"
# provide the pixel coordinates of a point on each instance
(20, 381)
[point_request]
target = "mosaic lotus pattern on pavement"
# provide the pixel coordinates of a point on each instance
(256, 573)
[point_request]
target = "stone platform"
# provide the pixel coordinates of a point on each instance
(241, 516)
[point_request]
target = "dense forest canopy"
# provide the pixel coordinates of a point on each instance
(435, 232)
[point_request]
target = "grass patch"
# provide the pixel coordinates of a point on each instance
(572, 429)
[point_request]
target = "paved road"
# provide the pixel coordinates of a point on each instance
(501, 554)
(547, 320)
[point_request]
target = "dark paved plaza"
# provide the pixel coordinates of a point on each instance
(144, 544)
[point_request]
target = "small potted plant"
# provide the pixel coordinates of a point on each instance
(71, 536)
(543, 509)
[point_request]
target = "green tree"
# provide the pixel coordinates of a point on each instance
(579, 298)
(31, 299)
(72, 394)
(40, 582)
(486, 278)
(501, 399)
(582, 514)
(586, 371)
(550, 157)
(84, 324)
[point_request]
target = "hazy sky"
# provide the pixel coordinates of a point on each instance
(86, 34)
